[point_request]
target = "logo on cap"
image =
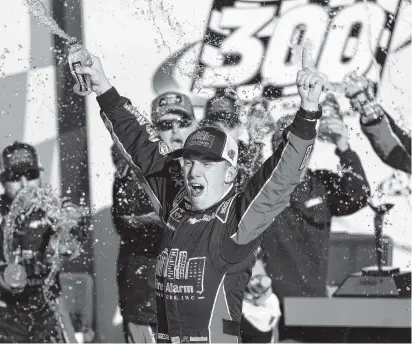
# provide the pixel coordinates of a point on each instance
(20, 156)
(170, 99)
(202, 139)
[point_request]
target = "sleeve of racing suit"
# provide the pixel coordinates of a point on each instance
(387, 144)
(137, 140)
(402, 135)
(349, 192)
(268, 192)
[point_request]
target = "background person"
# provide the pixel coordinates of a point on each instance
(297, 244)
(29, 313)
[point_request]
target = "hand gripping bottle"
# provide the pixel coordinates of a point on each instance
(79, 57)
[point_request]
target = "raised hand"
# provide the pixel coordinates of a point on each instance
(99, 81)
(310, 83)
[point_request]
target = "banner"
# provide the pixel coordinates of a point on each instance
(254, 46)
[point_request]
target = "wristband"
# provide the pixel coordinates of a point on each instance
(310, 115)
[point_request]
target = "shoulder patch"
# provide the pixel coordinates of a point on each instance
(223, 211)
(176, 215)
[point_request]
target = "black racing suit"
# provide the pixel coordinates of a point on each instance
(297, 244)
(205, 256)
(391, 143)
(138, 251)
(27, 317)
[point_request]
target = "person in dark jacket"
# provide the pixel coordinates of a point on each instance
(139, 228)
(212, 232)
(388, 140)
(28, 303)
(297, 243)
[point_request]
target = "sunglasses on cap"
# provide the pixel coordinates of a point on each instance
(13, 176)
(167, 124)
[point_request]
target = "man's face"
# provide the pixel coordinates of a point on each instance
(174, 130)
(14, 184)
(206, 180)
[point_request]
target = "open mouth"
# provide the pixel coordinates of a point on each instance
(177, 143)
(196, 189)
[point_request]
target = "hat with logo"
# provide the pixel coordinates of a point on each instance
(172, 102)
(223, 108)
(211, 142)
(19, 157)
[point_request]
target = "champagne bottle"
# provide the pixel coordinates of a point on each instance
(79, 57)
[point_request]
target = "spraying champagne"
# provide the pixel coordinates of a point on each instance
(78, 55)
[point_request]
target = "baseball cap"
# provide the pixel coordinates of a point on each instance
(172, 102)
(211, 142)
(223, 108)
(19, 158)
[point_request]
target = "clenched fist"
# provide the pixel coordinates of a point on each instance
(99, 81)
(310, 84)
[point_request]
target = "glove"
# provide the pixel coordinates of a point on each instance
(359, 91)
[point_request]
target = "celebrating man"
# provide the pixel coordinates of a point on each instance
(212, 232)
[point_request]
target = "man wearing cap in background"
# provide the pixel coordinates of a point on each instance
(173, 118)
(25, 315)
(212, 232)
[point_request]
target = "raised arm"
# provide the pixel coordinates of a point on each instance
(386, 144)
(390, 143)
(268, 192)
(132, 132)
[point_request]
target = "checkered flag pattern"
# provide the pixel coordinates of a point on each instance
(27, 88)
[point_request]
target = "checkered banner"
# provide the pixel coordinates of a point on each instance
(254, 46)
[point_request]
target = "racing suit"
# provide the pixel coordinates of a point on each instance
(391, 143)
(205, 257)
(137, 257)
(27, 317)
